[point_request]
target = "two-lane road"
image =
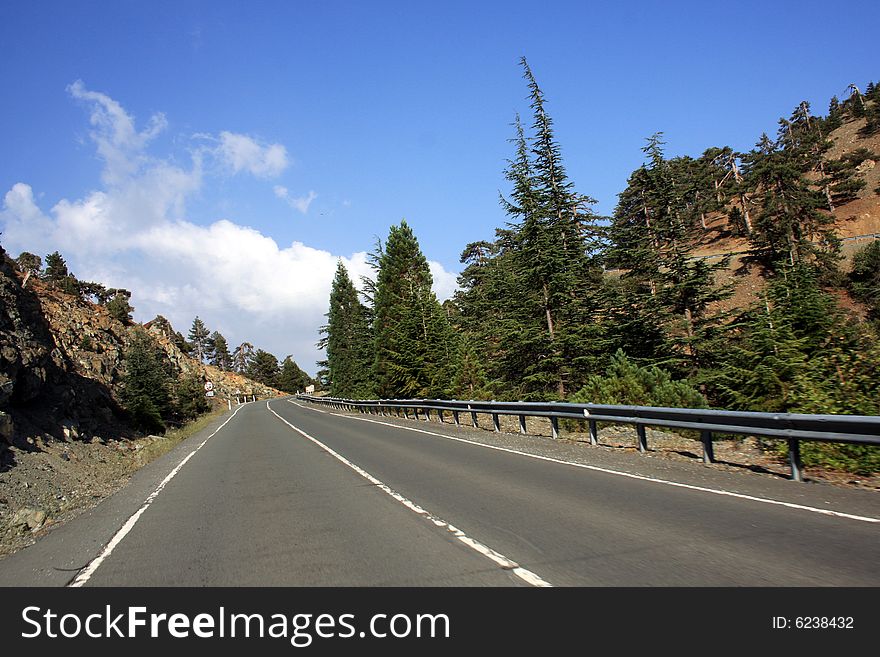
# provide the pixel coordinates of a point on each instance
(286, 495)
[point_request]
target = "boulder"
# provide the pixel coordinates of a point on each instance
(27, 518)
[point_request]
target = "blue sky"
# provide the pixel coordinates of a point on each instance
(218, 157)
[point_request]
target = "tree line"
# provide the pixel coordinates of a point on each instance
(566, 305)
(259, 365)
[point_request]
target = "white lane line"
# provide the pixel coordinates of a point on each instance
(86, 573)
(714, 491)
(505, 563)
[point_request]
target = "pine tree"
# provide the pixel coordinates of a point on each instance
(58, 276)
(30, 264)
(145, 384)
(199, 336)
(119, 307)
(242, 357)
(56, 268)
(653, 236)
(219, 349)
(864, 278)
(291, 378)
(263, 368)
(488, 321)
(413, 342)
(190, 400)
(843, 178)
(348, 341)
(790, 225)
(766, 351)
(554, 234)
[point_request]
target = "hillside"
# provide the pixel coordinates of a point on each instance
(65, 439)
(856, 222)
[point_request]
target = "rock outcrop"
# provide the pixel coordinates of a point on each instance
(62, 364)
(42, 388)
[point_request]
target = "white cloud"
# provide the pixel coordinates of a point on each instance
(301, 203)
(134, 233)
(241, 153)
(444, 281)
(118, 141)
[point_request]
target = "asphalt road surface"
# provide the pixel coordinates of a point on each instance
(281, 494)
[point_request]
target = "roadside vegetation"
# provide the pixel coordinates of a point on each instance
(538, 316)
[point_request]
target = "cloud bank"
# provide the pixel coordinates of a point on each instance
(133, 232)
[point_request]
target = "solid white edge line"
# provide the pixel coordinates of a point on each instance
(715, 491)
(86, 573)
(504, 562)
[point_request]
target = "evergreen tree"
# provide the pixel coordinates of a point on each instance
(790, 227)
(488, 321)
(119, 307)
(242, 357)
(865, 278)
(56, 268)
(30, 264)
(263, 368)
(291, 378)
(627, 383)
(190, 399)
(348, 341)
(413, 342)
(145, 385)
(200, 338)
(558, 282)
(219, 350)
(57, 275)
(843, 178)
(94, 292)
(767, 350)
(653, 235)
(470, 380)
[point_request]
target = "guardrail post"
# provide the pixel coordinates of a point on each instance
(496, 424)
(405, 413)
(416, 413)
(522, 424)
(455, 418)
(643, 439)
(474, 419)
(708, 449)
(554, 426)
(427, 415)
(794, 459)
(594, 433)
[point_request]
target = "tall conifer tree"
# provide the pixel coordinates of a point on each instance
(348, 340)
(414, 346)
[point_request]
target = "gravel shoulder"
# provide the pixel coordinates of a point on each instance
(53, 481)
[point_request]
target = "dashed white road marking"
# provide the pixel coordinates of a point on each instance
(86, 573)
(503, 561)
(714, 491)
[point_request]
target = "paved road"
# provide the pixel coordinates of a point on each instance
(286, 495)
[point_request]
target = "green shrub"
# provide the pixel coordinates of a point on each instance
(626, 383)
(190, 397)
(145, 385)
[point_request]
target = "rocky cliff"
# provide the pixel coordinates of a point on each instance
(61, 364)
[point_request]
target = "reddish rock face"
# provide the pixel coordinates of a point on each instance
(62, 362)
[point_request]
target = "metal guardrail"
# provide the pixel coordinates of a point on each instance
(854, 429)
